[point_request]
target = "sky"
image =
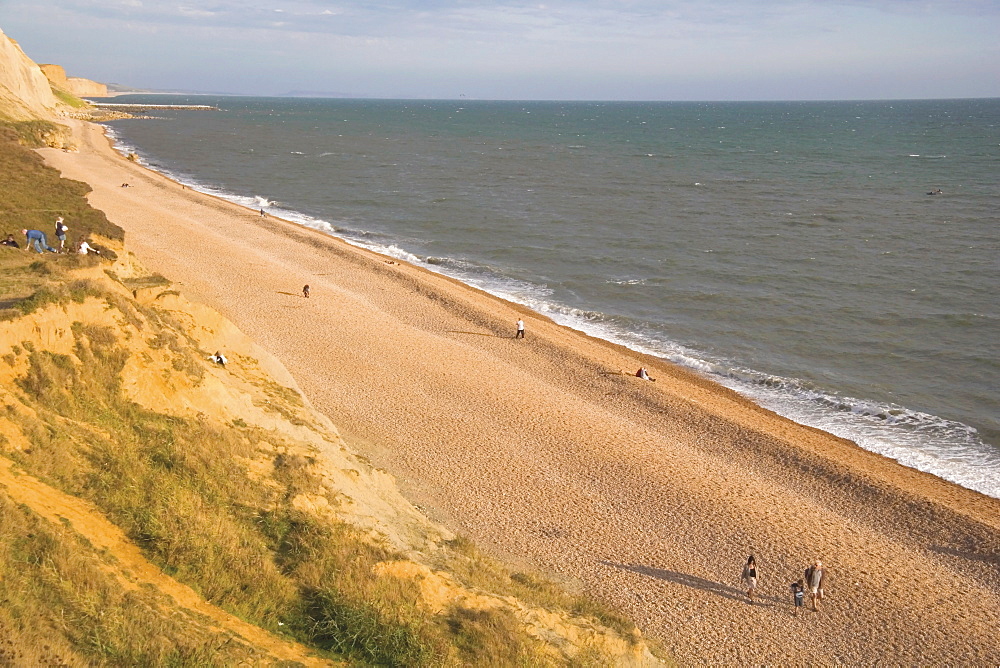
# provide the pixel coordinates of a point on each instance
(559, 50)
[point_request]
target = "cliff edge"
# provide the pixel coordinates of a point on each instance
(77, 86)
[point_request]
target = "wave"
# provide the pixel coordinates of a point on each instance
(948, 449)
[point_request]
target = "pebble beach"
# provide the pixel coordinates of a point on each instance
(548, 452)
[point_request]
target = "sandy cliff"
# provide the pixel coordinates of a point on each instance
(25, 93)
(76, 85)
(163, 341)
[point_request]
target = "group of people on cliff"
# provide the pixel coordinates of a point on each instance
(811, 582)
(36, 239)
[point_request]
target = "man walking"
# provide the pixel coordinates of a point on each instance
(814, 580)
(520, 330)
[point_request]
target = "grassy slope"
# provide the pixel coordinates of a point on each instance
(32, 195)
(184, 490)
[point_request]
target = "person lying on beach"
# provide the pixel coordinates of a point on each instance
(642, 373)
(10, 241)
(218, 358)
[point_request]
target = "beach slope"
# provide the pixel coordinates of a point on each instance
(550, 453)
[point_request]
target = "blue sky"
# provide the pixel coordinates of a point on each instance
(587, 49)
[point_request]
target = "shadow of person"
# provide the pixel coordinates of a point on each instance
(987, 558)
(458, 331)
(291, 294)
(693, 581)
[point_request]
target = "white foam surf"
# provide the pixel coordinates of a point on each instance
(948, 449)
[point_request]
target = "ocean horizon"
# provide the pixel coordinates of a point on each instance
(790, 251)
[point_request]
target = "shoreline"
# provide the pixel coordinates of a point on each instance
(648, 495)
(917, 437)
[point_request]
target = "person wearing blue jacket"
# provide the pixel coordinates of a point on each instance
(37, 238)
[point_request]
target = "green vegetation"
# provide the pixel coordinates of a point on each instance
(68, 98)
(475, 570)
(179, 489)
(33, 194)
(210, 503)
(29, 281)
(59, 605)
(29, 133)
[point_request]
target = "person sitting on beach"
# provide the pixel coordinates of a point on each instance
(642, 373)
(37, 238)
(218, 358)
(10, 241)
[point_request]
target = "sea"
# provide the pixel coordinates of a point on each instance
(791, 251)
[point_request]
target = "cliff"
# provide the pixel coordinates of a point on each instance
(25, 93)
(77, 86)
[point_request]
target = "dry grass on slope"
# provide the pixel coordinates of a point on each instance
(241, 493)
(227, 481)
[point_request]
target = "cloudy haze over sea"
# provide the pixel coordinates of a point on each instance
(563, 49)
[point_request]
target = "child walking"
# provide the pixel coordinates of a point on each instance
(798, 594)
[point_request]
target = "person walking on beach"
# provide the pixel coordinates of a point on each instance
(61, 232)
(798, 595)
(814, 580)
(305, 291)
(749, 577)
(37, 238)
(520, 330)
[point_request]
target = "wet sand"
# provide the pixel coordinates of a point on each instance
(649, 495)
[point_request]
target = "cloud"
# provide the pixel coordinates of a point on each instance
(559, 20)
(440, 45)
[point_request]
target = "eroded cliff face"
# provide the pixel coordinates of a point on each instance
(78, 86)
(25, 93)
